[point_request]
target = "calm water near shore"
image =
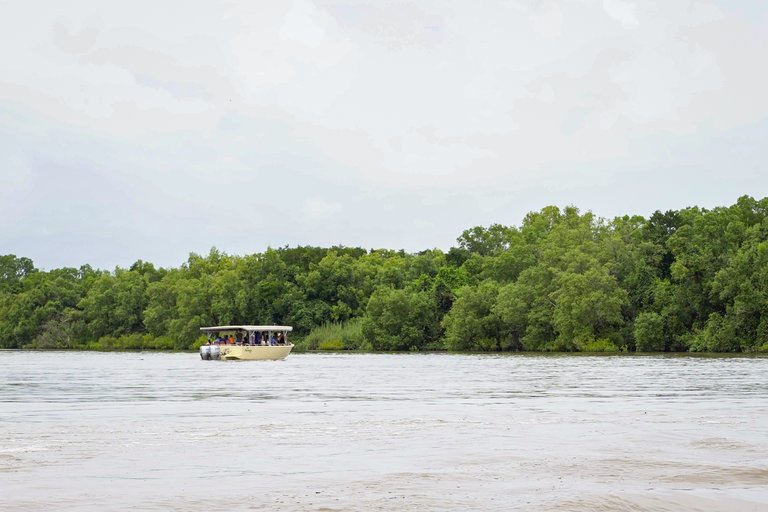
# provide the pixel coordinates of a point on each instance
(167, 431)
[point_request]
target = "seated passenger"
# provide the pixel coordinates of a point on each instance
(273, 340)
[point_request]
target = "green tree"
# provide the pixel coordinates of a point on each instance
(400, 319)
(526, 309)
(42, 298)
(649, 332)
(587, 308)
(487, 241)
(12, 272)
(742, 285)
(114, 304)
(472, 323)
(337, 281)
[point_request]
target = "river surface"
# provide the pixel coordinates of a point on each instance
(167, 431)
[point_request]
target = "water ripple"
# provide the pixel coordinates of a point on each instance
(153, 431)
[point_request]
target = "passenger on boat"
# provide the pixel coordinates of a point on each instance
(280, 340)
(252, 339)
(231, 340)
(273, 340)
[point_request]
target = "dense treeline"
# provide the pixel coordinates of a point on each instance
(693, 279)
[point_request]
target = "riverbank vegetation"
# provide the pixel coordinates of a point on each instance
(681, 280)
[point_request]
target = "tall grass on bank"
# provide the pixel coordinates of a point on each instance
(135, 341)
(336, 336)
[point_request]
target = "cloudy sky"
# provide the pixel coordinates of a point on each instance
(147, 130)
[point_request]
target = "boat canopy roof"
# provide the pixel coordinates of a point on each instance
(248, 328)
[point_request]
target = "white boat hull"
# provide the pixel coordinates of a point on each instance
(254, 352)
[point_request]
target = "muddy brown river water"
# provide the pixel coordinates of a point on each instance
(160, 431)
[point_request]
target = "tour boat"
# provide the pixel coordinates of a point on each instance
(246, 342)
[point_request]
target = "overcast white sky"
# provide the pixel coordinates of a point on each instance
(150, 129)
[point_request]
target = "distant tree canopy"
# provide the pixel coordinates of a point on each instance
(687, 280)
